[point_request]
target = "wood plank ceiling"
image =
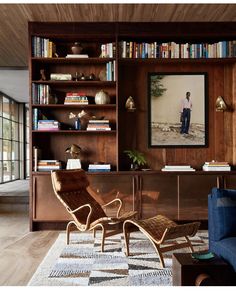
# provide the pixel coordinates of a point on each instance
(14, 19)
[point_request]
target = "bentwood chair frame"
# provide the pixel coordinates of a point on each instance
(70, 187)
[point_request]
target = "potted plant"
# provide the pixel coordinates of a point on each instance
(137, 159)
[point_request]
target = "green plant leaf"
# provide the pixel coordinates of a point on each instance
(136, 157)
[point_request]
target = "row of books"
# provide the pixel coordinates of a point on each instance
(48, 165)
(98, 125)
(42, 47)
(99, 168)
(76, 98)
(223, 49)
(111, 71)
(40, 93)
(108, 50)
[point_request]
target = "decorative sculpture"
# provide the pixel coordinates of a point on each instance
(75, 151)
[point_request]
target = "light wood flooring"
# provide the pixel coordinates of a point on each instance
(21, 251)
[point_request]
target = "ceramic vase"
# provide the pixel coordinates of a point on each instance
(102, 97)
(76, 48)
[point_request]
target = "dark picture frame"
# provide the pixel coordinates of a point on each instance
(177, 109)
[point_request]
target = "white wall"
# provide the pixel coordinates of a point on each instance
(15, 84)
(167, 107)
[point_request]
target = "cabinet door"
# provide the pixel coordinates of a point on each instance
(46, 206)
(230, 181)
(193, 196)
(159, 196)
(105, 188)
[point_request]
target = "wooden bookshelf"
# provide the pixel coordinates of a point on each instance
(129, 129)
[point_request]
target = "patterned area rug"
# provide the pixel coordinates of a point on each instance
(82, 263)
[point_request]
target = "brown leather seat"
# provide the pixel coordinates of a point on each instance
(70, 187)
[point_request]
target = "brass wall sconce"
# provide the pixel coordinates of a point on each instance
(221, 106)
(130, 105)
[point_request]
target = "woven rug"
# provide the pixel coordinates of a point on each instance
(81, 263)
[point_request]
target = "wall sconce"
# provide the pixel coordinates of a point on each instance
(130, 105)
(221, 105)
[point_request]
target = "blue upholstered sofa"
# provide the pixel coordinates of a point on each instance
(222, 224)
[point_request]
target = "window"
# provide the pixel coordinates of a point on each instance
(12, 139)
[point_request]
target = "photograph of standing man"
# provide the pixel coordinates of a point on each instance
(185, 110)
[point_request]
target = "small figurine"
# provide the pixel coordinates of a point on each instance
(82, 77)
(76, 76)
(43, 75)
(91, 77)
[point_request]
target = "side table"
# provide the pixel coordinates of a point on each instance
(191, 272)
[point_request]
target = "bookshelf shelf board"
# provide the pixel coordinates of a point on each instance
(152, 172)
(75, 131)
(75, 83)
(64, 60)
(89, 173)
(71, 37)
(62, 106)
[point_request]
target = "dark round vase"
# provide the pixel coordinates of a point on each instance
(76, 48)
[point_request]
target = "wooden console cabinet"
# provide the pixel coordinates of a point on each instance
(181, 197)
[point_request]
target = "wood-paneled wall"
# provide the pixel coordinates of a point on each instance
(221, 130)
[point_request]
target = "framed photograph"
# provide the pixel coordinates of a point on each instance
(178, 109)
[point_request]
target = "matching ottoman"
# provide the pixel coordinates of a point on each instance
(158, 229)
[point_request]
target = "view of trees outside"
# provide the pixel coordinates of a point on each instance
(11, 139)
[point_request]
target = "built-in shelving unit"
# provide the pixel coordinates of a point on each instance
(129, 130)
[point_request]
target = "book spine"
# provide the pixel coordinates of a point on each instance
(35, 159)
(35, 119)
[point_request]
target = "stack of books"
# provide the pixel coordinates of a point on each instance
(98, 125)
(76, 99)
(77, 56)
(51, 125)
(99, 168)
(216, 166)
(174, 168)
(48, 165)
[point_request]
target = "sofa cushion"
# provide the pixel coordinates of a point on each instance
(225, 248)
(222, 213)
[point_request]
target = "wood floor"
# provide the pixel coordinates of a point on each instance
(21, 251)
